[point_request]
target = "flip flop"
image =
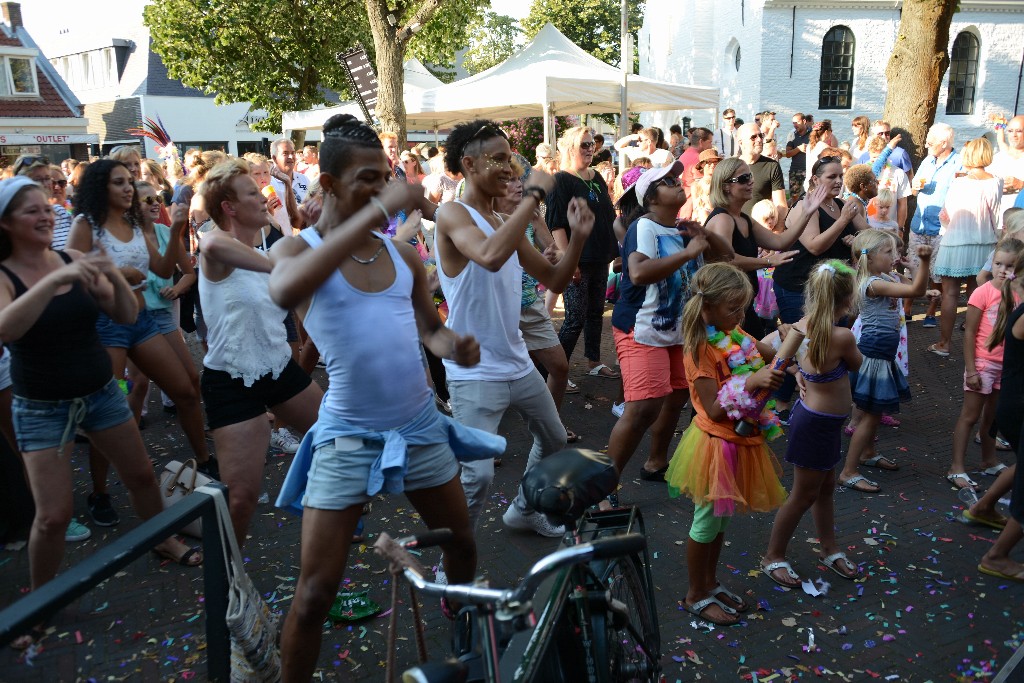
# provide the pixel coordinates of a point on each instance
(782, 564)
(571, 387)
(889, 421)
(961, 476)
(877, 463)
(1019, 576)
(994, 470)
(722, 590)
(192, 557)
(966, 517)
(852, 482)
(596, 371)
(697, 609)
(937, 351)
(1001, 443)
(571, 436)
(654, 475)
(830, 561)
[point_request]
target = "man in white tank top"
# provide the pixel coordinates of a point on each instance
(480, 261)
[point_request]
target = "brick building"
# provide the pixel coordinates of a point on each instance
(38, 112)
(828, 57)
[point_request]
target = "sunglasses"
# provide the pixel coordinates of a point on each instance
(60, 183)
(759, 136)
(728, 118)
(484, 128)
(669, 181)
(28, 162)
(587, 145)
(150, 201)
(744, 179)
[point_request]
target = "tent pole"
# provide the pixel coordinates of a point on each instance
(625, 65)
(547, 121)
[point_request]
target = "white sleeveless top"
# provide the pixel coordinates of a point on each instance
(487, 306)
(133, 253)
(371, 345)
(246, 334)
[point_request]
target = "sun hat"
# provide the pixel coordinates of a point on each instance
(707, 156)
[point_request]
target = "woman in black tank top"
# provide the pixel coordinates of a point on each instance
(732, 186)
(62, 377)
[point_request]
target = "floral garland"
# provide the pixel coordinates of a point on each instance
(743, 359)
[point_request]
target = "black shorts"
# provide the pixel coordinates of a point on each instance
(228, 401)
(290, 328)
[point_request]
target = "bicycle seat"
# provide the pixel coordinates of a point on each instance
(564, 484)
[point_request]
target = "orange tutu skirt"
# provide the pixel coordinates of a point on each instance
(732, 477)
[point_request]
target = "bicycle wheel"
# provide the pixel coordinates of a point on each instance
(634, 650)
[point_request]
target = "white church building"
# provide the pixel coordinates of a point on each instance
(827, 58)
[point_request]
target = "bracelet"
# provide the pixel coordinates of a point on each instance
(974, 374)
(380, 205)
(536, 192)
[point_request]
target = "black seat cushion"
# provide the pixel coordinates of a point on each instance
(564, 484)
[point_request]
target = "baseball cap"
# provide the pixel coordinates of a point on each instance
(653, 175)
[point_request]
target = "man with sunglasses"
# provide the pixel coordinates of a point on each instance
(899, 157)
(796, 149)
(768, 180)
(647, 146)
(724, 138)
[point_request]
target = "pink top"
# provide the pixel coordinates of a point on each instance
(986, 299)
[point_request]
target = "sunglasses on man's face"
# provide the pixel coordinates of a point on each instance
(60, 183)
(758, 136)
(741, 179)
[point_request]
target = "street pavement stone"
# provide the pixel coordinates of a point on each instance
(922, 612)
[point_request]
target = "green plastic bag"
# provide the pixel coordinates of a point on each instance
(353, 607)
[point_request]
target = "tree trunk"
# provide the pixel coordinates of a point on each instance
(918, 63)
(390, 74)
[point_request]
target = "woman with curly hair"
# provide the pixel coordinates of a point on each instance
(111, 221)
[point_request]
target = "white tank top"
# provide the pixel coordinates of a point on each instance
(371, 345)
(246, 334)
(487, 306)
(133, 253)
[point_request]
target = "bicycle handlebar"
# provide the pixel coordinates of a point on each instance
(522, 594)
(427, 539)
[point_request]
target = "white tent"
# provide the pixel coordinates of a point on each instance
(551, 75)
(417, 79)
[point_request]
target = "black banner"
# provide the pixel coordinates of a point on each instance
(363, 79)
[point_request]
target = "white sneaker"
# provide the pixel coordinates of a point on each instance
(282, 440)
(618, 408)
(532, 521)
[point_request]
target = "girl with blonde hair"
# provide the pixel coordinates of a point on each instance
(719, 470)
(879, 386)
(816, 424)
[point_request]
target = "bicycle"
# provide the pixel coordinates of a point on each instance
(597, 621)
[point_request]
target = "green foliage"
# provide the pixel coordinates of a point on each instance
(591, 24)
(446, 33)
(494, 39)
(525, 134)
(276, 54)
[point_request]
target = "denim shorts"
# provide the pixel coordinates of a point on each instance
(114, 336)
(340, 470)
(164, 319)
(5, 369)
(41, 425)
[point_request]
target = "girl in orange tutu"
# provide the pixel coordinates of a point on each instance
(719, 470)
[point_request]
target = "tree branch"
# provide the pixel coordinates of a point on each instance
(422, 15)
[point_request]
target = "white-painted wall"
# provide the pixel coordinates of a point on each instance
(687, 41)
(197, 119)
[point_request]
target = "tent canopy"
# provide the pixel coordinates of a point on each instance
(550, 73)
(417, 79)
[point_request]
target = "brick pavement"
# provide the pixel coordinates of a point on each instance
(922, 613)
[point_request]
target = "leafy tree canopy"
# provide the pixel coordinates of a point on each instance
(447, 32)
(591, 24)
(277, 55)
(493, 40)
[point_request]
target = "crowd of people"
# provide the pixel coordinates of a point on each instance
(425, 280)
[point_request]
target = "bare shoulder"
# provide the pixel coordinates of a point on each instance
(408, 253)
(287, 247)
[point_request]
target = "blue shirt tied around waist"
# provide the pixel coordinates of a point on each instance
(388, 471)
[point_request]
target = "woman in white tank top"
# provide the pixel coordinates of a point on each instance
(347, 253)
(248, 366)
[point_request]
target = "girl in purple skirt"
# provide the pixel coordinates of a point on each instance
(816, 423)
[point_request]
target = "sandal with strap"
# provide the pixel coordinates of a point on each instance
(697, 610)
(961, 480)
(782, 564)
(741, 605)
(832, 560)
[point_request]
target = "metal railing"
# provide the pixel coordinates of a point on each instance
(41, 604)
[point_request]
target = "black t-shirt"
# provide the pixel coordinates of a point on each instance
(743, 246)
(600, 247)
(767, 179)
(798, 162)
(793, 276)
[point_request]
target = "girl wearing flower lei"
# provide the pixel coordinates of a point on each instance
(720, 470)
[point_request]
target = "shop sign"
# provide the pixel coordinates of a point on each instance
(46, 139)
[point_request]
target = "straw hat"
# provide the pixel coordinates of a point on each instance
(708, 155)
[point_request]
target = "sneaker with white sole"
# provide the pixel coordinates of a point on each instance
(283, 440)
(618, 409)
(531, 521)
(76, 531)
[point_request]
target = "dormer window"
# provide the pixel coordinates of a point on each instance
(18, 75)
